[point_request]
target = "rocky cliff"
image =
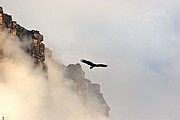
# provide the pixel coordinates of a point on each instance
(85, 88)
(36, 49)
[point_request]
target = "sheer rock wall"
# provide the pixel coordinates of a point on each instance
(83, 87)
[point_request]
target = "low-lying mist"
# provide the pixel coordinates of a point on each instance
(28, 93)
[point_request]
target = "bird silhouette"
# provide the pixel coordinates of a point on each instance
(92, 65)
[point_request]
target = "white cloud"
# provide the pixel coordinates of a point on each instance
(138, 39)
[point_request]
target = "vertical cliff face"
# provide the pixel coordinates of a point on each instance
(83, 87)
(86, 89)
(88, 92)
(34, 40)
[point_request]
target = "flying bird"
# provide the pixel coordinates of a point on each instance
(92, 65)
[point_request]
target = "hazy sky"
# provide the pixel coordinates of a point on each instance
(138, 39)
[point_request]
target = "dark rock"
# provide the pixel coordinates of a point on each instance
(85, 88)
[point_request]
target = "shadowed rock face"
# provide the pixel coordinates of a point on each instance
(34, 40)
(83, 87)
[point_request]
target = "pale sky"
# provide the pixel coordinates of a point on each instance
(138, 39)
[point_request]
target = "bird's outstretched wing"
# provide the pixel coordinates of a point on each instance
(101, 65)
(87, 62)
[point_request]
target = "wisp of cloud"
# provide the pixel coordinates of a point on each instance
(28, 93)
